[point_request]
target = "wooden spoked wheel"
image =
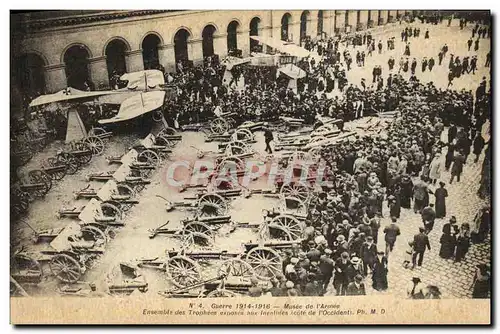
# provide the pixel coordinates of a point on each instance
(70, 162)
(39, 176)
(295, 189)
(168, 132)
(219, 126)
(221, 293)
(125, 190)
(95, 144)
(314, 154)
(91, 233)
(237, 148)
(243, 135)
(293, 204)
(230, 164)
(111, 210)
(26, 269)
(149, 156)
(266, 262)
(183, 271)
(96, 132)
(85, 154)
(157, 115)
(59, 174)
(286, 227)
(212, 203)
(161, 140)
(65, 268)
(235, 268)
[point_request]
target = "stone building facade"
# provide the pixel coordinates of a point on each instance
(50, 51)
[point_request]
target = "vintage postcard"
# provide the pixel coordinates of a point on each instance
(250, 167)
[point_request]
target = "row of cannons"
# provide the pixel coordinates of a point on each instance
(74, 249)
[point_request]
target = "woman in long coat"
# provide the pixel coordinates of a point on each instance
(448, 239)
(435, 168)
(463, 242)
(441, 194)
(379, 277)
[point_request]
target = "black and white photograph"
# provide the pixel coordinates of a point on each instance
(193, 154)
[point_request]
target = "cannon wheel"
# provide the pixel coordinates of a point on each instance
(235, 268)
(95, 144)
(70, 162)
(58, 175)
(157, 115)
(295, 189)
(162, 140)
(236, 148)
(221, 293)
(230, 164)
(124, 189)
(293, 204)
(83, 158)
(39, 176)
(243, 134)
(266, 262)
(65, 268)
(314, 154)
(94, 234)
(288, 224)
(214, 201)
(219, 126)
(167, 132)
(197, 233)
(110, 210)
(22, 266)
(183, 271)
(149, 156)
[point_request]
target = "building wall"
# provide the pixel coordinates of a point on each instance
(51, 43)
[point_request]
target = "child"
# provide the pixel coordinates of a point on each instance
(409, 255)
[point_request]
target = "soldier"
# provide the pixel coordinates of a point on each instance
(473, 65)
(440, 57)
(413, 66)
(476, 45)
(379, 46)
(469, 44)
(390, 62)
(465, 65)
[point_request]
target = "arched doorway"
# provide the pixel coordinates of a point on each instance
(285, 22)
(115, 57)
(181, 45)
(150, 56)
(30, 76)
(76, 61)
(320, 22)
(232, 36)
(208, 40)
(303, 25)
(254, 31)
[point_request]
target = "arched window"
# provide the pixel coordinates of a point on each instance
(181, 45)
(76, 61)
(232, 36)
(285, 22)
(208, 40)
(30, 74)
(115, 57)
(150, 51)
(254, 31)
(303, 25)
(320, 22)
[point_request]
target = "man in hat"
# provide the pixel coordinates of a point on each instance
(368, 254)
(391, 233)
(420, 193)
(415, 289)
(268, 136)
(420, 244)
(340, 279)
(356, 288)
(255, 290)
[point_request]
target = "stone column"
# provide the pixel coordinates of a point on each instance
(340, 20)
(55, 78)
(195, 51)
(392, 16)
(400, 13)
(312, 24)
(99, 72)
(384, 16)
(244, 42)
(294, 32)
(373, 19)
(329, 22)
(352, 19)
(220, 45)
(166, 54)
(134, 61)
(363, 20)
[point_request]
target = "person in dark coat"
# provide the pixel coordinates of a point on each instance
(457, 167)
(476, 45)
(481, 283)
(268, 135)
(406, 191)
(432, 62)
(380, 270)
(440, 57)
(452, 132)
(448, 239)
(426, 34)
(368, 254)
(440, 194)
(463, 242)
(478, 146)
(428, 217)
(424, 64)
(449, 156)
(340, 279)
(391, 234)
(420, 244)
(413, 65)
(356, 288)
(481, 226)
(469, 44)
